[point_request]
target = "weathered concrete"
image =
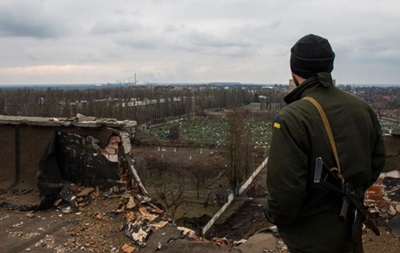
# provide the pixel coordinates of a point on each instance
(26, 139)
(40, 153)
(259, 243)
(392, 149)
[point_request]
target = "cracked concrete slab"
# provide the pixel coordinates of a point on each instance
(259, 243)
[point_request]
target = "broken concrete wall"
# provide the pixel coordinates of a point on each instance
(392, 150)
(40, 153)
(385, 190)
(22, 149)
(384, 195)
(26, 139)
(7, 158)
(80, 161)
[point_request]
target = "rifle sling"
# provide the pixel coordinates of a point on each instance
(328, 131)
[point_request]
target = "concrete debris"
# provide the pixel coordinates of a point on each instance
(126, 248)
(126, 142)
(112, 149)
(394, 225)
(392, 210)
(189, 233)
(81, 117)
(141, 219)
(101, 216)
(131, 204)
(144, 227)
(85, 192)
(131, 216)
(392, 188)
(139, 225)
(139, 232)
(68, 202)
(97, 192)
(30, 214)
(383, 199)
(237, 243)
(47, 242)
(273, 230)
(146, 215)
(221, 241)
(281, 246)
(143, 199)
(159, 225)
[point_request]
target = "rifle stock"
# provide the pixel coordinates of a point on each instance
(351, 200)
(356, 228)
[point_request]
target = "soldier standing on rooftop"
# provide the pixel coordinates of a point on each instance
(306, 213)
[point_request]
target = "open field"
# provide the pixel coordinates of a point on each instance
(204, 132)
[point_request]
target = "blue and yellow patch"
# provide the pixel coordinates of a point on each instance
(277, 123)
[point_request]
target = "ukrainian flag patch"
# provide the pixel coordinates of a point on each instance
(277, 123)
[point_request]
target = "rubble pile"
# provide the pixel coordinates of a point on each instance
(124, 220)
(90, 220)
(383, 199)
(113, 214)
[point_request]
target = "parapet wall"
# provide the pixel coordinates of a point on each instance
(25, 140)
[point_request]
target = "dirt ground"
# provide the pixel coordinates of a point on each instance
(183, 158)
(97, 227)
(91, 229)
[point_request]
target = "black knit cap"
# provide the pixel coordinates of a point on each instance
(310, 55)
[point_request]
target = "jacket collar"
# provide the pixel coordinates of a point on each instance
(322, 79)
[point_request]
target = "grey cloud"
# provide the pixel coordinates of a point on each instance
(27, 29)
(138, 42)
(22, 21)
(180, 38)
(210, 40)
(126, 31)
(115, 26)
(368, 49)
(228, 44)
(257, 35)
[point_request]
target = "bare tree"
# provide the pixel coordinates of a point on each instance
(199, 176)
(235, 140)
(171, 193)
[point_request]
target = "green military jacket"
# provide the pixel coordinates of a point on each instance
(307, 213)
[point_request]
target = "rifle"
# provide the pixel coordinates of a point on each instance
(352, 201)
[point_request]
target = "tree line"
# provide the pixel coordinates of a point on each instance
(145, 104)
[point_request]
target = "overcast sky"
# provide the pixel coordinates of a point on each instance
(248, 41)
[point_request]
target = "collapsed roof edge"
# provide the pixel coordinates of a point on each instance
(78, 121)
